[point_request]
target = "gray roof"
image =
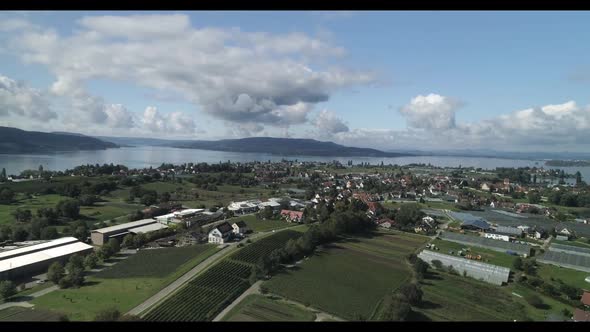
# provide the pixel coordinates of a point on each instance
(470, 220)
(508, 230)
(125, 226)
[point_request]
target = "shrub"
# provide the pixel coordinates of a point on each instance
(535, 301)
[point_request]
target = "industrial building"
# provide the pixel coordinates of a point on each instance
(103, 235)
(493, 274)
(28, 261)
(500, 246)
(469, 221)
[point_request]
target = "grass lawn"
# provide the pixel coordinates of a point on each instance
(552, 306)
(576, 243)
(259, 308)
(441, 205)
(259, 225)
(568, 276)
(100, 212)
(20, 314)
(143, 278)
(456, 298)
(488, 256)
(41, 201)
(349, 278)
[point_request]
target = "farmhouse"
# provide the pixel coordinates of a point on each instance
(292, 216)
(240, 227)
(581, 315)
(102, 235)
(28, 261)
(221, 233)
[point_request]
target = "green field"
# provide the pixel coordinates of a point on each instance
(124, 293)
(488, 256)
(208, 293)
(455, 298)
(258, 308)
(360, 270)
(259, 225)
(568, 276)
(20, 314)
(37, 202)
(577, 243)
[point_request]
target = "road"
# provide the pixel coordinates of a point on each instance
(254, 289)
(142, 308)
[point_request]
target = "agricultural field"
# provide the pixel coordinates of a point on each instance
(156, 263)
(20, 314)
(488, 256)
(359, 269)
(208, 293)
(112, 288)
(568, 276)
(456, 298)
(259, 225)
(259, 308)
(582, 243)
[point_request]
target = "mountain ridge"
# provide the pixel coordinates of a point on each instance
(14, 140)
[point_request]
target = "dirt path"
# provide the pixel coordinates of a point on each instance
(254, 289)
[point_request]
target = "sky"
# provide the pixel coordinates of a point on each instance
(427, 80)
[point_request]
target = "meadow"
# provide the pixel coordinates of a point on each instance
(147, 274)
(488, 256)
(349, 278)
(259, 308)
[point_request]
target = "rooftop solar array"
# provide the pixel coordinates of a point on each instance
(572, 261)
(486, 272)
(497, 245)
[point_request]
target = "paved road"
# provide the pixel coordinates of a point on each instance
(142, 308)
(254, 289)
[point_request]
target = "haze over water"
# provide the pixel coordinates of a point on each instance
(146, 156)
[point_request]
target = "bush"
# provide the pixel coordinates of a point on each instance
(7, 289)
(65, 283)
(437, 264)
(107, 315)
(535, 301)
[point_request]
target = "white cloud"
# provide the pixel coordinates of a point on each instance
(18, 99)
(170, 123)
(328, 123)
(230, 74)
(118, 116)
(431, 112)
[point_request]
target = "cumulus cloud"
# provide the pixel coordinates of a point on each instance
(230, 74)
(432, 111)
(171, 123)
(118, 116)
(328, 123)
(18, 99)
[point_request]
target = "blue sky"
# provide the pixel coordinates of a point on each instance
(384, 79)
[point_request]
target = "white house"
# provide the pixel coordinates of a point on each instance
(221, 233)
(240, 227)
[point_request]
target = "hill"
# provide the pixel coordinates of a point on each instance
(283, 146)
(13, 140)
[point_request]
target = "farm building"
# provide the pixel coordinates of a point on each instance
(31, 260)
(244, 207)
(493, 274)
(292, 216)
(221, 233)
(500, 246)
(240, 227)
(102, 235)
(469, 221)
(510, 231)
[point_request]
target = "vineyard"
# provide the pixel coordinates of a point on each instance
(206, 295)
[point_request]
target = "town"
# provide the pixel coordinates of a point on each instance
(520, 233)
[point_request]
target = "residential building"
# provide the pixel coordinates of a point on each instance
(292, 216)
(240, 227)
(221, 234)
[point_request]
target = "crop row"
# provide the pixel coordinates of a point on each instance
(261, 248)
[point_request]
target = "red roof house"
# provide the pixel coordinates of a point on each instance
(581, 315)
(586, 298)
(292, 216)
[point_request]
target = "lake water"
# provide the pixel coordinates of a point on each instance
(146, 156)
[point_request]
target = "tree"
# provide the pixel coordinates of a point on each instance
(19, 234)
(517, 264)
(396, 308)
(3, 175)
(88, 200)
(128, 241)
(55, 272)
(22, 215)
(437, 264)
(40, 169)
(109, 315)
(49, 233)
(165, 197)
(534, 197)
(69, 208)
(412, 293)
(91, 261)
(7, 289)
(75, 269)
(6, 196)
(114, 244)
(528, 267)
(578, 178)
(148, 199)
(535, 301)
(420, 267)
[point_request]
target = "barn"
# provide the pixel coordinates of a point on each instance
(25, 262)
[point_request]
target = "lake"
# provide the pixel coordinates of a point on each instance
(146, 156)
